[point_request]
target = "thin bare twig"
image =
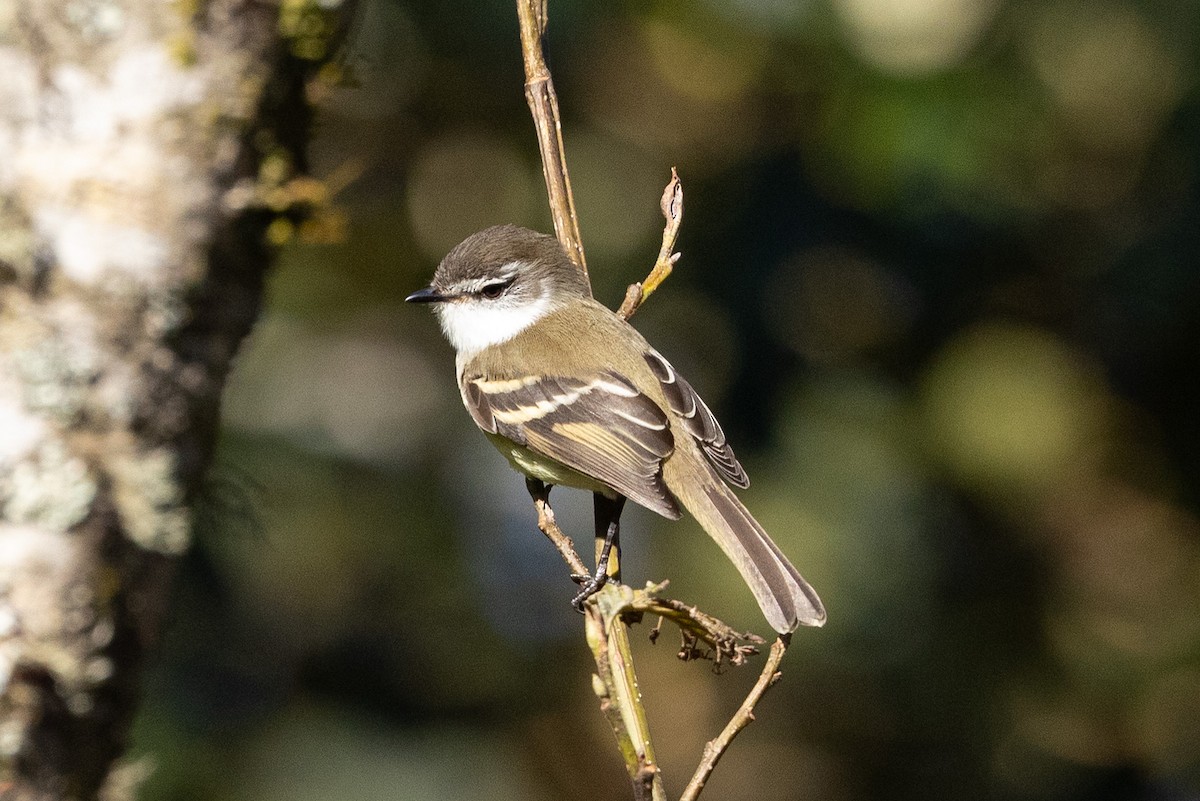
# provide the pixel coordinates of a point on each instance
(725, 644)
(561, 541)
(672, 210)
(543, 103)
(715, 748)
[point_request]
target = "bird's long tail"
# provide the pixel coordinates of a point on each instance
(786, 598)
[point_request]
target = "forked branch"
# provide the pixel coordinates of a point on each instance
(616, 605)
(715, 748)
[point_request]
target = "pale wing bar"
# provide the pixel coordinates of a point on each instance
(698, 420)
(601, 426)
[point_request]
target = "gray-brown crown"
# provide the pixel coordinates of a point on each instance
(508, 253)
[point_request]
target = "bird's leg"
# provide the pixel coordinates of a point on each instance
(566, 549)
(608, 528)
(537, 490)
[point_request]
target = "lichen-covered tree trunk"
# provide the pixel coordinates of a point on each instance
(137, 138)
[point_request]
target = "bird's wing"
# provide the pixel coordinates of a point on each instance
(697, 420)
(600, 425)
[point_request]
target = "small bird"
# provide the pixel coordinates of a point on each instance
(573, 395)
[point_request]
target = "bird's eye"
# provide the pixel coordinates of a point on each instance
(493, 291)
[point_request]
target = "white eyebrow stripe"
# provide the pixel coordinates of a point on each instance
(472, 286)
(510, 269)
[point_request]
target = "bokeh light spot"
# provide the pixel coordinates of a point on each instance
(697, 65)
(465, 182)
(627, 94)
(914, 37)
(1009, 407)
(1110, 74)
(358, 393)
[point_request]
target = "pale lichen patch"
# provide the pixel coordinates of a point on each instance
(141, 87)
(96, 19)
(104, 196)
(52, 489)
(149, 499)
(19, 431)
(48, 589)
(89, 248)
(55, 354)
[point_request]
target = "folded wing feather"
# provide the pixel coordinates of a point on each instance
(599, 425)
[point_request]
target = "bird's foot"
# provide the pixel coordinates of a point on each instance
(590, 586)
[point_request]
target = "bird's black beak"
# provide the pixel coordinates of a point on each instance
(426, 295)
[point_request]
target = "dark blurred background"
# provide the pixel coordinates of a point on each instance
(939, 281)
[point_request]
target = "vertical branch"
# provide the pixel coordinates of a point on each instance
(616, 687)
(128, 277)
(543, 104)
(607, 636)
(644, 772)
(615, 680)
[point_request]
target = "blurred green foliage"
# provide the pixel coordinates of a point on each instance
(939, 281)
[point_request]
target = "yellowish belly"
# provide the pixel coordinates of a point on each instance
(545, 469)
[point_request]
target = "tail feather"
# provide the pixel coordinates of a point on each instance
(786, 599)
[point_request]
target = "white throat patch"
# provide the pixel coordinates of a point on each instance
(472, 325)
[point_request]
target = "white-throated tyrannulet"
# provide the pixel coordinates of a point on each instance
(571, 394)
